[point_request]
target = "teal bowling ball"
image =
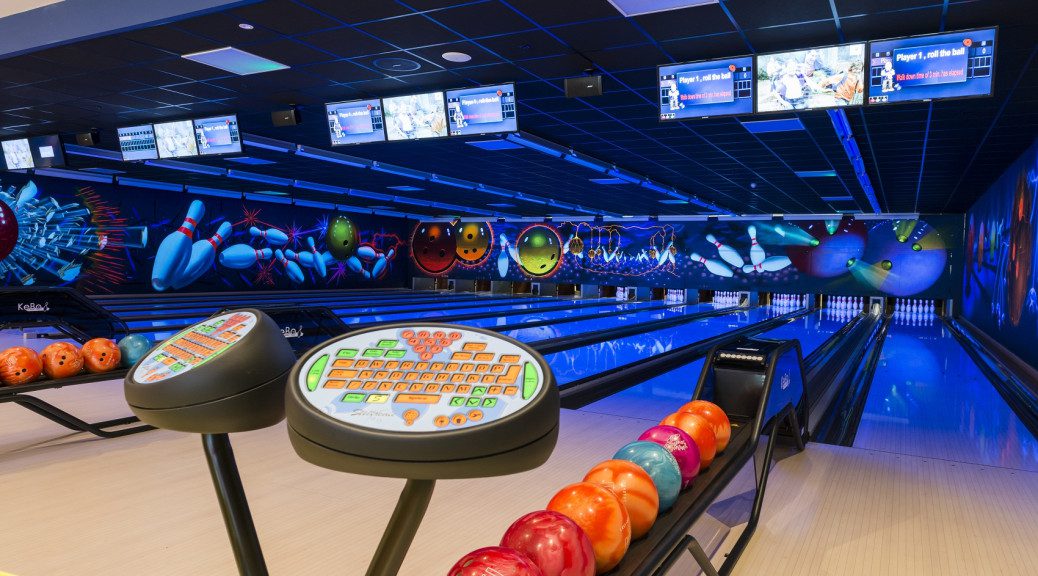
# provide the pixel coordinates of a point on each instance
(134, 347)
(342, 237)
(661, 466)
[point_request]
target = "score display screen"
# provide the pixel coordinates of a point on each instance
(47, 151)
(415, 116)
(176, 139)
(830, 77)
(951, 65)
(709, 88)
(482, 110)
(17, 154)
(138, 143)
(355, 122)
(218, 135)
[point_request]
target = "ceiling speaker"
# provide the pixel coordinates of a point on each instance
(289, 117)
(584, 86)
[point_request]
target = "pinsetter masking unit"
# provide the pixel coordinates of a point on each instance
(421, 402)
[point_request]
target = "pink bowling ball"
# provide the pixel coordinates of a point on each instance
(680, 445)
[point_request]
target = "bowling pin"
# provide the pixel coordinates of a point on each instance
(756, 252)
(241, 256)
(174, 252)
(304, 259)
(726, 252)
(318, 260)
(379, 267)
(203, 254)
(502, 263)
(715, 267)
(353, 263)
(294, 272)
(366, 253)
(272, 235)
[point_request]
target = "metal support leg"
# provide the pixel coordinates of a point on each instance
(235, 507)
(396, 540)
(59, 416)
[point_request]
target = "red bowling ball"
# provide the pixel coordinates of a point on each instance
(553, 542)
(495, 561)
(680, 445)
(434, 247)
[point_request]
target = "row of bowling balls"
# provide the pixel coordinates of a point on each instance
(588, 526)
(21, 365)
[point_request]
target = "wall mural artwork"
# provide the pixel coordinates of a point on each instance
(840, 256)
(999, 290)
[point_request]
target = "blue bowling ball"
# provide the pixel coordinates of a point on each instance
(133, 348)
(661, 466)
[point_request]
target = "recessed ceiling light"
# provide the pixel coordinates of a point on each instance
(396, 64)
(638, 7)
(246, 26)
(456, 57)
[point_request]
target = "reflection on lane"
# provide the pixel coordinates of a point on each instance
(592, 324)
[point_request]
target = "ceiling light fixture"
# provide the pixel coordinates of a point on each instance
(246, 26)
(457, 57)
(235, 61)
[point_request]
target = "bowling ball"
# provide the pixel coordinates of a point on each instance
(539, 250)
(715, 416)
(601, 515)
(474, 240)
(553, 542)
(61, 360)
(680, 445)
(576, 245)
(342, 237)
(635, 488)
(659, 464)
(701, 431)
(101, 355)
(823, 253)
(494, 560)
(133, 348)
(19, 365)
(8, 230)
(434, 247)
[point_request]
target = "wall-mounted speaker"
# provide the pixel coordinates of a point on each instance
(289, 117)
(92, 138)
(584, 86)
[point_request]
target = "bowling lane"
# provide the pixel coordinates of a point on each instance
(657, 397)
(929, 399)
(158, 305)
(591, 324)
(562, 317)
(433, 312)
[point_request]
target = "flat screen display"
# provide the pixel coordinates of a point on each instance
(17, 154)
(138, 143)
(217, 135)
(356, 122)
(47, 151)
(415, 116)
(176, 139)
(710, 88)
(951, 65)
(482, 110)
(811, 79)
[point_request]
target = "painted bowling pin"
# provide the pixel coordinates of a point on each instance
(757, 254)
(294, 272)
(318, 259)
(380, 265)
(726, 252)
(272, 235)
(502, 262)
(241, 256)
(770, 264)
(304, 259)
(715, 267)
(203, 254)
(366, 253)
(174, 252)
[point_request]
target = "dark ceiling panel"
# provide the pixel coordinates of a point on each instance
(696, 21)
(482, 19)
(285, 17)
(346, 42)
(409, 31)
(751, 14)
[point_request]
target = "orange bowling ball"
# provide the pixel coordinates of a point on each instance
(101, 355)
(61, 360)
(19, 365)
(601, 515)
(700, 430)
(715, 416)
(635, 488)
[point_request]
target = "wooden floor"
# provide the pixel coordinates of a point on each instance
(143, 505)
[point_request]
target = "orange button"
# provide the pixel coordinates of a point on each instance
(432, 388)
(453, 367)
(342, 374)
(417, 398)
(474, 346)
(362, 363)
(484, 357)
(377, 364)
(382, 374)
(400, 387)
(422, 366)
(467, 367)
(417, 387)
(369, 385)
(461, 356)
(397, 375)
(385, 387)
(441, 421)
(482, 367)
(427, 377)
(459, 419)
(334, 383)
(464, 389)
(442, 377)
(458, 378)
(511, 390)
(367, 373)
(475, 415)
(411, 376)
(342, 363)
(354, 385)
(510, 376)
(509, 358)
(489, 379)
(409, 364)
(472, 379)
(494, 390)
(497, 368)
(447, 388)
(437, 366)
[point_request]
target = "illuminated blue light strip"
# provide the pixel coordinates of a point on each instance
(850, 146)
(73, 175)
(91, 152)
(262, 178)
(152, 184)
(187, 167)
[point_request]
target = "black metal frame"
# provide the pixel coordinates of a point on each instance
(234, 505)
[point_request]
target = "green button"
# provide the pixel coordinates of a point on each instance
(479, 390)
(313, 377)
(387, 343)
(353, 397)
(347, 353)
(395, 353)
(489, 402)
(472, 403)
(530, 381)
(176, 367)
(374, 353)
(457, 401)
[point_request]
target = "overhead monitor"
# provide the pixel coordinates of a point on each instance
(17, 154)
(816, 78)
(415, 116)
(217, 135)
(47, 151)
(951, 65)
(176, 139)
(719, 87)
(482, 110)
(138, 142)
(355, 122)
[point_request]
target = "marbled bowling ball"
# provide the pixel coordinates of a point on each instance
(496, 561)
(474, 240)
(829, 257)
(661, 466)
(61, 360)
(576, 245)
(601, 515)
(342, 237)
(680, 445)
(553, 542)
(901, 269)
(434, 247)
(8, 230)
(19, 365)
(539, 250)
(635, 488)
(715, 416)
(133, 348)
(101, 355)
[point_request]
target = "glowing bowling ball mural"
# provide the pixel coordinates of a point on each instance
(831, 245)
(1021, 247)
(576, 245)
(8, 230)
(342, 237)
(539, 249)
(434, 247)
(474, 241)
(893, 263)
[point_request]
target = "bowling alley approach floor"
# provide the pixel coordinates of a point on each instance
(144, 505)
